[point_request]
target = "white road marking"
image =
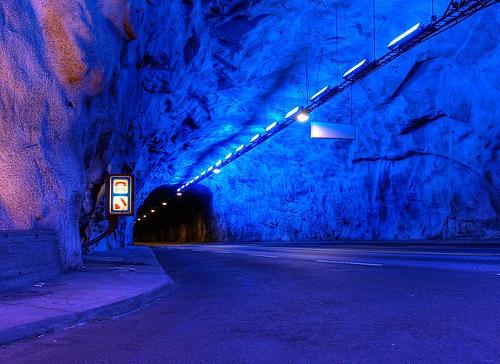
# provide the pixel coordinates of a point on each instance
(263, 255)
(382, 251)
(351, 263)
(222, 252)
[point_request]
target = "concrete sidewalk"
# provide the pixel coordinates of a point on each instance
(112, 283)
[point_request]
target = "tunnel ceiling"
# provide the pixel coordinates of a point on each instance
(161, 89)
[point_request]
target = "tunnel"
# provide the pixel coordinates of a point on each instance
(166, 216)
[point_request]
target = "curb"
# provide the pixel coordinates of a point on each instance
(107, 310)
(41, 327)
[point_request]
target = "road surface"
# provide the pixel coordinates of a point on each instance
(300, 304)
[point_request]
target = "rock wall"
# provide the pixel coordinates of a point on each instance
(162, 89)
(55, 57)
(425, 161)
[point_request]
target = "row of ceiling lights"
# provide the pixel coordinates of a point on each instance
(301, 114)
(298, 113)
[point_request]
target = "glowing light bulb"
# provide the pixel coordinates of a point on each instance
(292, 112)
(271, 126)
(319, 93)
(302, 117)
(217, 170)
(414, 30)
(358, 67)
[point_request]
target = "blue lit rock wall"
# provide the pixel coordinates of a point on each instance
(424, 164)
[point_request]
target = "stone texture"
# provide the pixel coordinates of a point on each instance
(55, 57)
(162, 89)
(27, 257)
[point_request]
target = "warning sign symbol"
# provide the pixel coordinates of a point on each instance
(120, 186)
(120, 195)
(120, 203)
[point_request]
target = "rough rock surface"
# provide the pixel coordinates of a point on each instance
(424, 164)
(162, 89)
(55, 58)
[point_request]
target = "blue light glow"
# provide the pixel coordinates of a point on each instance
(240, 148)
(254, 138)
(319, 93)
(292, 112)
(398, 40)
(219, 162)
(210, 168)
(303, 117)
(217, 170)
(229, 156)
(355, 68)
(271, 126)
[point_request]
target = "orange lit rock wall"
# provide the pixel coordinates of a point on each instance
(55, 55)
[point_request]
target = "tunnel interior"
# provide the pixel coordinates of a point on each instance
(167, 217)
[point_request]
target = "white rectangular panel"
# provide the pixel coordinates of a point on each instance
(332, 131)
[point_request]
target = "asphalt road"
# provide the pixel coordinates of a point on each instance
(289, 304)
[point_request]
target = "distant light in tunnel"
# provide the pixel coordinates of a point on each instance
(179, 193)
(210, 168)
(144, 216)
(203, 173)
(319, 93)
(271, 126)
(254, 138)
(292, 112)
(219, 162)
(164, 204)
(398, 39)
(153, 211)
(217, 170)
(303, 117)
(229, 156)
(351, 71)
(240, 148)
(139, 219)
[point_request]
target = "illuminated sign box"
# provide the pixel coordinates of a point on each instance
(120, 195)
(332, 131)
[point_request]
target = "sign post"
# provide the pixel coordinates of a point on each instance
(120, 195)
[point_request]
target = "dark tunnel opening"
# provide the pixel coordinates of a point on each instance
(166, 217)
